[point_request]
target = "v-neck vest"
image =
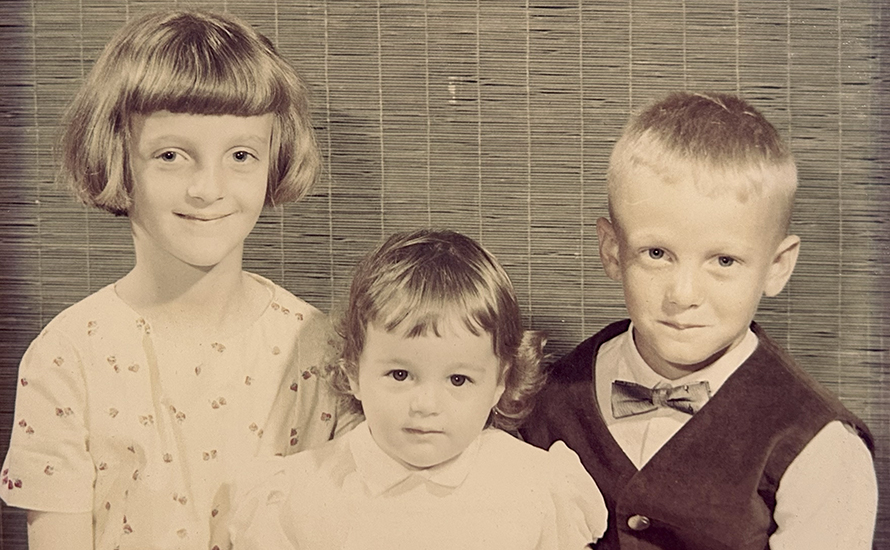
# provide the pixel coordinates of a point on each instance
(713, 484)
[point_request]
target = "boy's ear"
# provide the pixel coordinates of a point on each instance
(783, 264)
(609, 249)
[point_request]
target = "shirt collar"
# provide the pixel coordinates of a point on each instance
(634, 369)
(380, 472)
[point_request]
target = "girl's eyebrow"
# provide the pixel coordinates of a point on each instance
(254, 139)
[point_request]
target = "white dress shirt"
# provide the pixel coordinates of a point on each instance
(827, 497)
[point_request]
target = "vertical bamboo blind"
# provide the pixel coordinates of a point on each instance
(496, 118)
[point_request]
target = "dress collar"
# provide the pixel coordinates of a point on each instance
(381, 472)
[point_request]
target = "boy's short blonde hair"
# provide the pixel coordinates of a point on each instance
(718, 141)
(414, 283)
(191, 62)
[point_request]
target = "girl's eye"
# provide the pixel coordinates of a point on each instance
(242, 156)
(725, 261)
(399, 375)
(168, 156)
(458, 379)
(656, 253)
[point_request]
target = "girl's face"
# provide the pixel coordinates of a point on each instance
(427, 398)
(199, 185)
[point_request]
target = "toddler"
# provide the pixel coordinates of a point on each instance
(435, 353)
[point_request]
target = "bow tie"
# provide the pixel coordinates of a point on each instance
(629, 399)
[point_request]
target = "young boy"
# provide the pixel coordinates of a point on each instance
(699, 430)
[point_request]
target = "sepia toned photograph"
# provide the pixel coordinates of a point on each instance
(439, 274)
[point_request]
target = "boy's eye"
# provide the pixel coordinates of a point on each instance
(399, 375)
(656, 253)
(725, 261)
(458, 379)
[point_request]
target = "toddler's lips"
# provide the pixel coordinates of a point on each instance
(421, 431)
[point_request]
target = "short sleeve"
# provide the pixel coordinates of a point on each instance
(259, 507)
(581, 514)
(48, 466)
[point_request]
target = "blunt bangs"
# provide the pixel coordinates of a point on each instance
(205, 72)
(191, 62)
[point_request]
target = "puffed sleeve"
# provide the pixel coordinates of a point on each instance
(581, 514)
(48, 466)
(259, 511)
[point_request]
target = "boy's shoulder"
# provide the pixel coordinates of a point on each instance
(577, 365)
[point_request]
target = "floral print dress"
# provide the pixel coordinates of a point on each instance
(145, 431)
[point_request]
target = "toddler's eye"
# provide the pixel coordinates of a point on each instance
(725, 261)
(656, 253)
(458, 379)
(399, 375)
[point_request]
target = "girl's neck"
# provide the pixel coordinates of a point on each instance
(188, 302)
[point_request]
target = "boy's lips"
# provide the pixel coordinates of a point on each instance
(680, 326)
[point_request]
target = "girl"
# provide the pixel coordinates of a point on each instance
(435, 355)
(133, 403)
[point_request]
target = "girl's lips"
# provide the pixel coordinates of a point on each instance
(201, 218)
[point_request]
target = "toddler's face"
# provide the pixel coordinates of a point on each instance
(199, 184)
(693, 267)
(427, 398)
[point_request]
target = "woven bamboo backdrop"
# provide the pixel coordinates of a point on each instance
(495, 118)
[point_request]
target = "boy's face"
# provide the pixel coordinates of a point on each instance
(427, 398)
(693, 267)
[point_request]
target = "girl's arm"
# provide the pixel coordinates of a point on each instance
(57, 530)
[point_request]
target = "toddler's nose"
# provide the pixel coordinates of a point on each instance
(426, 400)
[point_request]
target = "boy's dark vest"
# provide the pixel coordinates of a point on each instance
(712, 485)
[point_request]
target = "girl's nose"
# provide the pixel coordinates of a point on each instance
(206, 184)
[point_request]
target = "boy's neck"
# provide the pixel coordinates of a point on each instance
(673, 371)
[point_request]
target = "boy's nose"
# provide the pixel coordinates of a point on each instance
(684, 290)
(206, 184)
(425, 400)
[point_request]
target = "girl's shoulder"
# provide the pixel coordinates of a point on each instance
(284, 305)
(101, 311)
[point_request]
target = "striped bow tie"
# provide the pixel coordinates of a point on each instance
(629, 399)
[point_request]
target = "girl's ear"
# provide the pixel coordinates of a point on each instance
(784, 260)
(609, 248)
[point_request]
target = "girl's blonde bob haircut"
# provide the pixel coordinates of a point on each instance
(417, 283)
(191, 62)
